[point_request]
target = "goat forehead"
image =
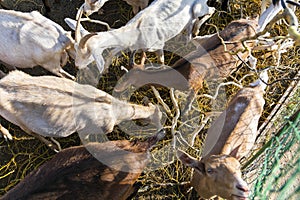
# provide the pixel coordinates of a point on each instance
(223, 161)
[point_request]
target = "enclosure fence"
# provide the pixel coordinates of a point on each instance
(274, 172)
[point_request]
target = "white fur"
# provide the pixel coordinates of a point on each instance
(91, 6)
(30, 39)
(148, 30)
(57, 107)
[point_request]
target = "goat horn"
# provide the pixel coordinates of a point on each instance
(77, 29)
(83, 40)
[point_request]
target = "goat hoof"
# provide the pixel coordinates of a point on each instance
(5, 134)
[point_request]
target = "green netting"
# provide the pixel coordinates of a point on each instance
(277, 164)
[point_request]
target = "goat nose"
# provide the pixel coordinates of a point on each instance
(243, 188)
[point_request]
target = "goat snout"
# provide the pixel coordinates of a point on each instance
(243, 188)
(241, 192)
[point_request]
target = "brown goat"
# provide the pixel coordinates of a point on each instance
(229, 138)
(216, 175)
(75, 173)
(209, 60)
(236, 128)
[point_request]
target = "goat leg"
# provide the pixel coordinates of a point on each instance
(64, 74)
(132, 60)
(160, 55)
(8, 66)
(197, 24)
(132, 63)
(57, 144)
(2, 74)
(52, 145)
(5, 133)
(8, 136)
(55, 147)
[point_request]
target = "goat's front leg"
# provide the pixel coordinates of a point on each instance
(2, 74)
(197, 25)
(101, 64)
(195, 29)
(58, 71)
(65, 74)
(55, 147)
(5, 133)
(132, 60)
(160, 56)
(199, 11)
(9, 67)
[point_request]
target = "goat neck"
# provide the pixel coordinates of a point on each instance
(235, 130)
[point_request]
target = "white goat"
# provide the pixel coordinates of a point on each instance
(268, 14)
(30, 39)
(57, 107)
(288, 13)
(148, 30)
(91, 6)
(229, 138)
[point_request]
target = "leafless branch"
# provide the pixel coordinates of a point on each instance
(161, 101)
(218, 88)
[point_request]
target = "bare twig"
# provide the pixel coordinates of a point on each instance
(97, 22)
(175, 118)
(218, 88)
(197, 131)
(161, 101)
(283, 48)
(185, 143)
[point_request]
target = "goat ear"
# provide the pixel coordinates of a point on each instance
(99, 61)
(185, 158)
(235, 151)
(190, 161)
(200, 167)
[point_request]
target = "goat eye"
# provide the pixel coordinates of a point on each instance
(209, 171)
